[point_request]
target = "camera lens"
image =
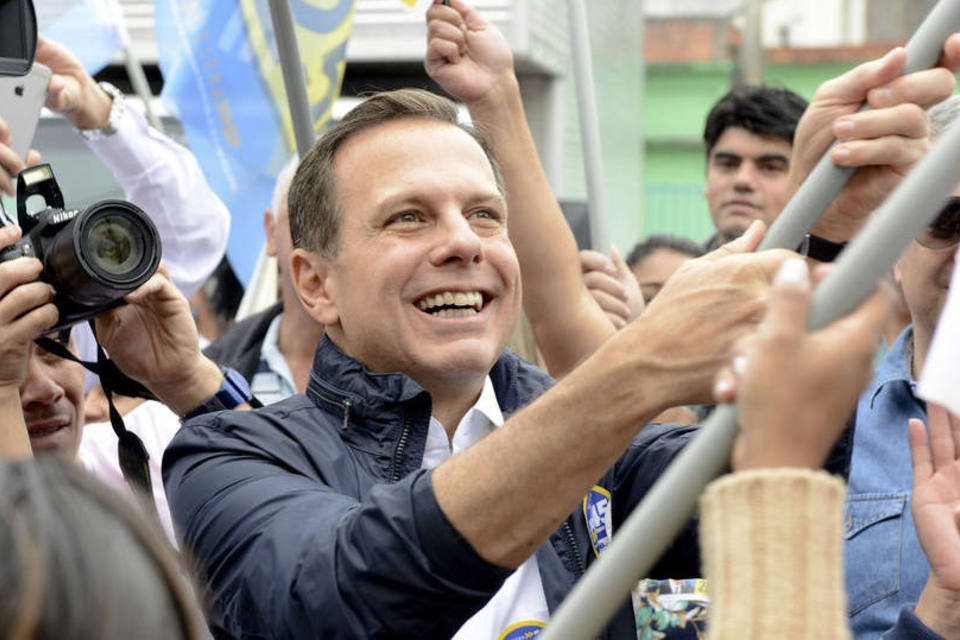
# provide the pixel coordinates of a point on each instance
(118, 244)
(113, 244)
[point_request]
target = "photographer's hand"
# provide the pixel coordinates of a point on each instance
(10, 163)
(73, 92)
(26, 311)
(153, 339)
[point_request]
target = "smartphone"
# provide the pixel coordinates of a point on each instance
(21, 101)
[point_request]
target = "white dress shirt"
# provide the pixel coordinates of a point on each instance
(520, 603)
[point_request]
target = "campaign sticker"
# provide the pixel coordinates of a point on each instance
(522, 630)
(598, 512)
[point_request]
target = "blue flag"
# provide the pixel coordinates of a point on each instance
(223, 78)
(92, 29)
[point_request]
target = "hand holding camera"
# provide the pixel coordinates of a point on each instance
(26, 310)
(91, 257)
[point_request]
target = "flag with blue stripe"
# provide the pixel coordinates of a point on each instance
(222, 76)
(92, 29)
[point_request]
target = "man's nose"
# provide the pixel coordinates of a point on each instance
(457, 242)
(38, 387)
(746, 176)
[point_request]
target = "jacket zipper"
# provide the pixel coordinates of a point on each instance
(572, 541)
(398, 452)
(337, 399)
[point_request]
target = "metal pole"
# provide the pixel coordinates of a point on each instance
(672, 500)
(589, 125)
(293, 80)
(138, 80)
(751, 51)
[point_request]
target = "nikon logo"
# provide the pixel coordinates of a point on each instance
(63, 216)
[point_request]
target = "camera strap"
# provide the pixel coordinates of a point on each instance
(133, 456)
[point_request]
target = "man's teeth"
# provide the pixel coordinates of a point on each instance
(463, 304)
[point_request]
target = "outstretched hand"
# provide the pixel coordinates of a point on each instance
(935, 504)
(466, 55)
(796, 390)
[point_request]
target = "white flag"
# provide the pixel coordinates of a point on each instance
(940, 379)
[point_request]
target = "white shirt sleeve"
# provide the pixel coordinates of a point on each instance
(164, 179)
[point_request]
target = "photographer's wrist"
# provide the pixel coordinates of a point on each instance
(185, 393)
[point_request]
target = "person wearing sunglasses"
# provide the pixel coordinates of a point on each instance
(886, 569)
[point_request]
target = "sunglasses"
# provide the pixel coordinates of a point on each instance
(945, 230)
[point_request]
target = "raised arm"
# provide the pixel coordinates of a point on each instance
(469, 58)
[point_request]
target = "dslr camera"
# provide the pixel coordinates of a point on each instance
(91, 257)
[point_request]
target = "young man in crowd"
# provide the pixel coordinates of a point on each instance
(748, 137)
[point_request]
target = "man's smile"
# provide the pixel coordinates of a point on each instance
(453, 304)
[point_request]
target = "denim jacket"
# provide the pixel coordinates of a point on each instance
(885, 566)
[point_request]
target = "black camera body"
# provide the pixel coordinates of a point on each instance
(92, 257)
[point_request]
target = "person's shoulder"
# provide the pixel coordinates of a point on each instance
(227, 421)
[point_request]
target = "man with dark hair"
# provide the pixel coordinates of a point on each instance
(749, 137)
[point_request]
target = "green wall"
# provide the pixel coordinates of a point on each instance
(676, 102)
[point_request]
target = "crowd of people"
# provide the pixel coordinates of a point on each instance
(366, 458)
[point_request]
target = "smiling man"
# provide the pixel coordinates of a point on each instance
(406, 494)
(429, 483)
(749, 139)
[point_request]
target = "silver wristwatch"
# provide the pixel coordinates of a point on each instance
(113, 121)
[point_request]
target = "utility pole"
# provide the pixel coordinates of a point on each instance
(751, 52)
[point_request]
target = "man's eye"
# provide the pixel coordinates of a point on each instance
(407, 217)
(773, 167)
(485, 214)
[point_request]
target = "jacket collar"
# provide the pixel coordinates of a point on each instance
(368, 393)
(515, 382)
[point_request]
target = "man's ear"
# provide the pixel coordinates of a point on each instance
(315, 285)
(270, 231)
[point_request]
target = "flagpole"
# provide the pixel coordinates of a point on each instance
(589, 125)
(138, 79)
(672, 500)
(293, 79)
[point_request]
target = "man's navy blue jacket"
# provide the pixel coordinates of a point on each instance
(312, 517)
